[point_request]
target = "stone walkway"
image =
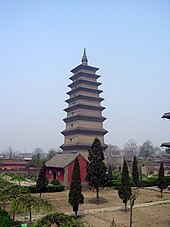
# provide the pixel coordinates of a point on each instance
(101, 210)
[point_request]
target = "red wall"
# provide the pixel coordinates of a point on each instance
(82, 163)
(52, 169)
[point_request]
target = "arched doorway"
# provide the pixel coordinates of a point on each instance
(54, 175)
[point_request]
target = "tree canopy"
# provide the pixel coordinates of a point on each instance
(161, 179)
(42, 180)
(135, 172)
(75, 195)
(96, 169)
(124, 191)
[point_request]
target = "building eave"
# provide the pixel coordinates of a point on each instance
(84, 131)
(87, 67)
(83, 106)
(84, 97)
(85, 118)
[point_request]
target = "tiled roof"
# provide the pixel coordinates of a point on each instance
(167, 144)
(166, 115)
(61, 160)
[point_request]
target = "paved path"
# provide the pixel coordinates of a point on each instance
(109, 209)
(102, 210)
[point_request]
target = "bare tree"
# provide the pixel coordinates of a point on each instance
(131, 147)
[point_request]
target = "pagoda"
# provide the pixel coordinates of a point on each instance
(84, 119)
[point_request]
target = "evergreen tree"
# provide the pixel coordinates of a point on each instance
(135, 172)
(110, 176)
(75, 195)
(95, 168)
(42, 180)
(161, 179)
(124, 191)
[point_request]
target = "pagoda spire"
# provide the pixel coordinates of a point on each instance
(84, 58)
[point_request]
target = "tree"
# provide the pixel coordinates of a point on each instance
(135, 172)
(133, 197)
(124, 191)
(27, 202)
(42, 180)
(146, 149)
(95, 168)
(130, 147)
(75, 195)
(110, 176)
(51, 153)
(161, 179)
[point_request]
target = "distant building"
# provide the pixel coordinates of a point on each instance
(166, 157)
(13, 165)
(166, 144)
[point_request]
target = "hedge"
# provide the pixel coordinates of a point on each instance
(6, 221)
(60, 219)
(49, 188)
(143, 183)
(55, 182)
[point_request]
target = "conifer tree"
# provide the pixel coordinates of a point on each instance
(110, 176)
(75, 195)
(42, 180)
(124, 191)
(135, 172)
(161, 179)
(95, 168)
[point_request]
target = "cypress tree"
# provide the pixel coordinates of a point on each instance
(42, 180)
(95, 168)
(161, 179)
(124, 191)
(110, 176)
(75, 195)
(135, 172)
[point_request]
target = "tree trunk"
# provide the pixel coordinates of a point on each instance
(13, 215)
(161, 193)
(4, 205)
(97, 192)
(40, 194)
(30, 216)
(131, 216)
(125, 206)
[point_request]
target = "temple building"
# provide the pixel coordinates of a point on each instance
(84, 122)
(84, 119)
(166, 144)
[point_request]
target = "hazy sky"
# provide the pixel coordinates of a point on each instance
(41, 41)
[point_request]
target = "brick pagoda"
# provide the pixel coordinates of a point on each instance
(84, 119)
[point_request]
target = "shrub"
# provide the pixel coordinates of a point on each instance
(49, 188)
(55, 182)
(60, 219)
(6, 221)
(54, 188)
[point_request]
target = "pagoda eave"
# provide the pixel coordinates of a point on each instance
(85, 118)
(83, 106)
(85, 146)
(75, 83)
(84, 89)
(84, 97)
(86, 67)
(84, 131)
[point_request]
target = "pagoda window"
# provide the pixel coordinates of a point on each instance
(71, 139)
(72, 125)
(72, 113)
(58, 173)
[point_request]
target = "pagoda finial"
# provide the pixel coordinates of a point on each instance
(84, 58)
